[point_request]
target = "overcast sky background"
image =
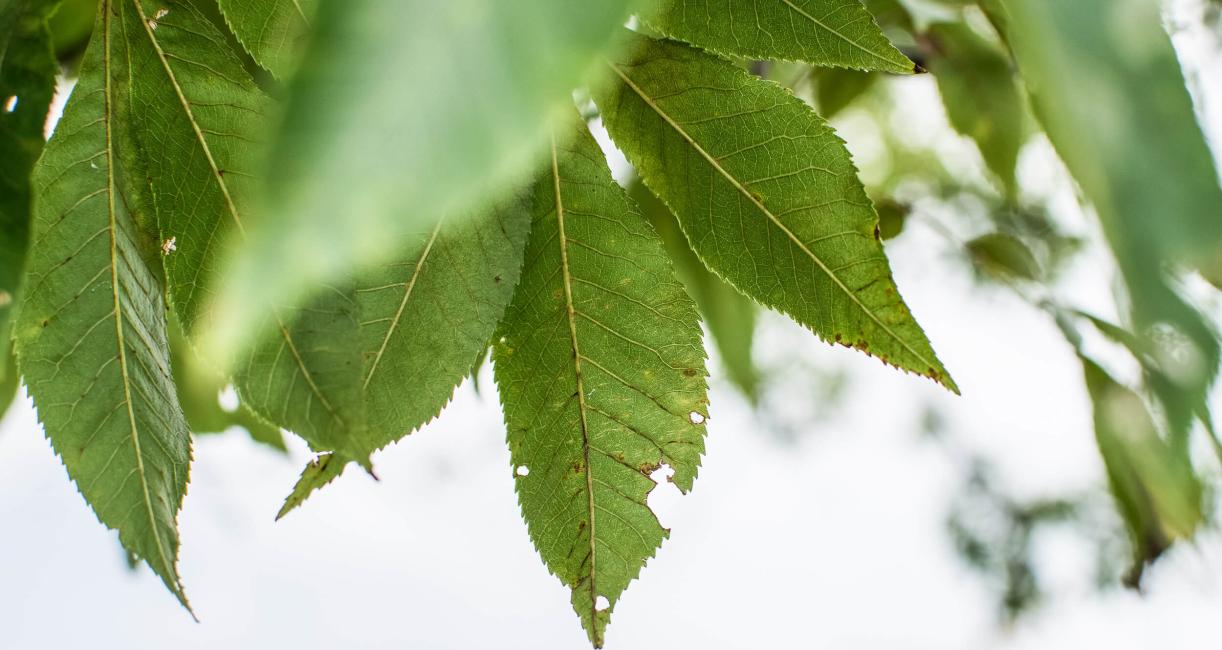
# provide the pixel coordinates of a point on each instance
(810, 526)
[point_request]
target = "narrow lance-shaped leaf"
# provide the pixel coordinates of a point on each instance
(91, 338)
(980, 94)
(273, 31)
(201, 160)
(1135, 146)
(601, 376)
(403, 112)
(422, 321)
(767, 194)
(1157, 492)
(27, 80)
(839, 33)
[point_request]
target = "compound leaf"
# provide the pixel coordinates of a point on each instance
(602, 379)
(91, 336)
(839, 33)
(766, 193)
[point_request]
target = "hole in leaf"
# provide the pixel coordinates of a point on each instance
(602, 604)
(228, 399)
(521, 470)
(10, 104)
(696, 417)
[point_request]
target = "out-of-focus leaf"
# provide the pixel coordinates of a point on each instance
(766, 193)
(273, 31)
(979, 92)
(1155, 487)
(403, 112)
(892, 216)
(1005, 256)
(9, 381)
(199, 387)
(821, 32)
(1134, 147)
(1180, 404)
(601, 376)
(27, 81)
(91, 331)
(729, 315)
(70, 25)
(836, 88)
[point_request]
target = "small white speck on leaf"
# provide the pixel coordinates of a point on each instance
(521, 470)
(10, 104)
(169, 246)
(161, 13)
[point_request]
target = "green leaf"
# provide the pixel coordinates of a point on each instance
(601, 376)
(91, 336)
(1155, 487)
(199, 387)
(836, 88)
(979, 92)
(767, 194)
(425, 317)
(1135, 147)
(417, 322)
(203, 157)
(273, 31)
(320, 472)
(401, 113)
(1004, 256)
(729, 315)
(27, 81)
(822, 32)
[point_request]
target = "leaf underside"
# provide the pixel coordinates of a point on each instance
(601, 375)
(272, 31)
(837, 33)
(766, 193)
(91, 339)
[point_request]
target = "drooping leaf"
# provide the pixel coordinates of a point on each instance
(201, 164)
(602, 380)
(1155, 487)
(420, 322)
(729, 315)
(27, 81)
(91, 336)
(766, 193)
(1135, 148)
(202, 157)
(404, 112)
(980, 95)
(273, 31)
(837, 33)
(320, 472)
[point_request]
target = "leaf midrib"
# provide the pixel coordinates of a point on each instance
(759, 204)
(229, 203)
(407, 294)
(570, 313)
(118, 309)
